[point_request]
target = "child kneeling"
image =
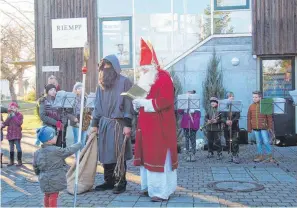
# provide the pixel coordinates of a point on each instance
(50, 166)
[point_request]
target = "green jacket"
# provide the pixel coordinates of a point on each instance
(50, 166)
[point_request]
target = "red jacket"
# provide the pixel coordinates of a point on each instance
(156, 132)
(14, 123)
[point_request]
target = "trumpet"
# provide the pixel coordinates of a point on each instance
(206, 124)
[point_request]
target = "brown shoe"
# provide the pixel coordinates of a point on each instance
(258, 158)
(270, 158)
(157, 199)
(144, 193)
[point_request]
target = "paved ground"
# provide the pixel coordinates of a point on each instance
(19, 189)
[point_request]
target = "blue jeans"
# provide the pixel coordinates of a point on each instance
(83, 136)
(17, 143)
(262, 137)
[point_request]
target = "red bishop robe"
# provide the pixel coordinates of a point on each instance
(156, 132)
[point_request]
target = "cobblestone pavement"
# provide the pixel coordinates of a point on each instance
(20, 189)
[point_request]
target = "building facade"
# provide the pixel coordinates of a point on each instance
(254, 39)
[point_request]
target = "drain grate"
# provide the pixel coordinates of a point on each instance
(235, 186)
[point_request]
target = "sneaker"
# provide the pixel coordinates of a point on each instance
(210, 155)
(103, 187)
(258, 158)
(231, 159)
(220, 156)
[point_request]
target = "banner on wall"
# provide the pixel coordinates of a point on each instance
(69, 33)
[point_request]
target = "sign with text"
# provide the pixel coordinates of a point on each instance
(50, 68)
(69, 33)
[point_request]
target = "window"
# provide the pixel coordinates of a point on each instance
(277, 76)
(228, 22)
(116, 38)
(231, 4)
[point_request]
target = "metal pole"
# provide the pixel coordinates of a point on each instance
(84, 72)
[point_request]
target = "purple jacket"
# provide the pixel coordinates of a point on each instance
(14, 126)
(186, 120)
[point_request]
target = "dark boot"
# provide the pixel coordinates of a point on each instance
(105, 186)
(11, 159)
(120, 187)
(121, 183)
(19, 156)
(109, 179)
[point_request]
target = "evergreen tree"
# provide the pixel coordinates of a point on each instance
(213, 84)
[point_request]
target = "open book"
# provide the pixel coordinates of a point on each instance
(135, 92)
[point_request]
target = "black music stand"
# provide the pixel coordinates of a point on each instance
(64, 100)
(230, 106)
(188, 102)
(272, 106)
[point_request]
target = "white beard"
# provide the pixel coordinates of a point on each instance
(148, 79)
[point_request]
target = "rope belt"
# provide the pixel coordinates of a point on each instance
(120, 151)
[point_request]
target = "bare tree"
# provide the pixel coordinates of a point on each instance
(15, 46)
(17, 42)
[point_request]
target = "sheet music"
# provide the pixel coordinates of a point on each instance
(188, 101)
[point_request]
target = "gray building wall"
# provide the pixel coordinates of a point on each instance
(241, 79)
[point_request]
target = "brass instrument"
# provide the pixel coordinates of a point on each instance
(206, 124)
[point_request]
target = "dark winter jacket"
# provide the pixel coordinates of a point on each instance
(50, 166)
(50, 115)
(213, 114)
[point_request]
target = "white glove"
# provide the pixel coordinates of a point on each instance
(135, 107)
(138, 102)
(147, 104)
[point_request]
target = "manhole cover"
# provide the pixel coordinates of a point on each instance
(235, 186)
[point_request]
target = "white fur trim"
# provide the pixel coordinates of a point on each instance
(149, 67)
(148, 106)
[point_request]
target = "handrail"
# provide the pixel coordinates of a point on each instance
(198, 45)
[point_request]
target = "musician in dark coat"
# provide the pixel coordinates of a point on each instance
(231, 120)
(213, 129)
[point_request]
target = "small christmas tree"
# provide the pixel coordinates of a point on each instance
(213, 84)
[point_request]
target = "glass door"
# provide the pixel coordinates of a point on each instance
(277, 76)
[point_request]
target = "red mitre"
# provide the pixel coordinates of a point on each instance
(147, 54)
